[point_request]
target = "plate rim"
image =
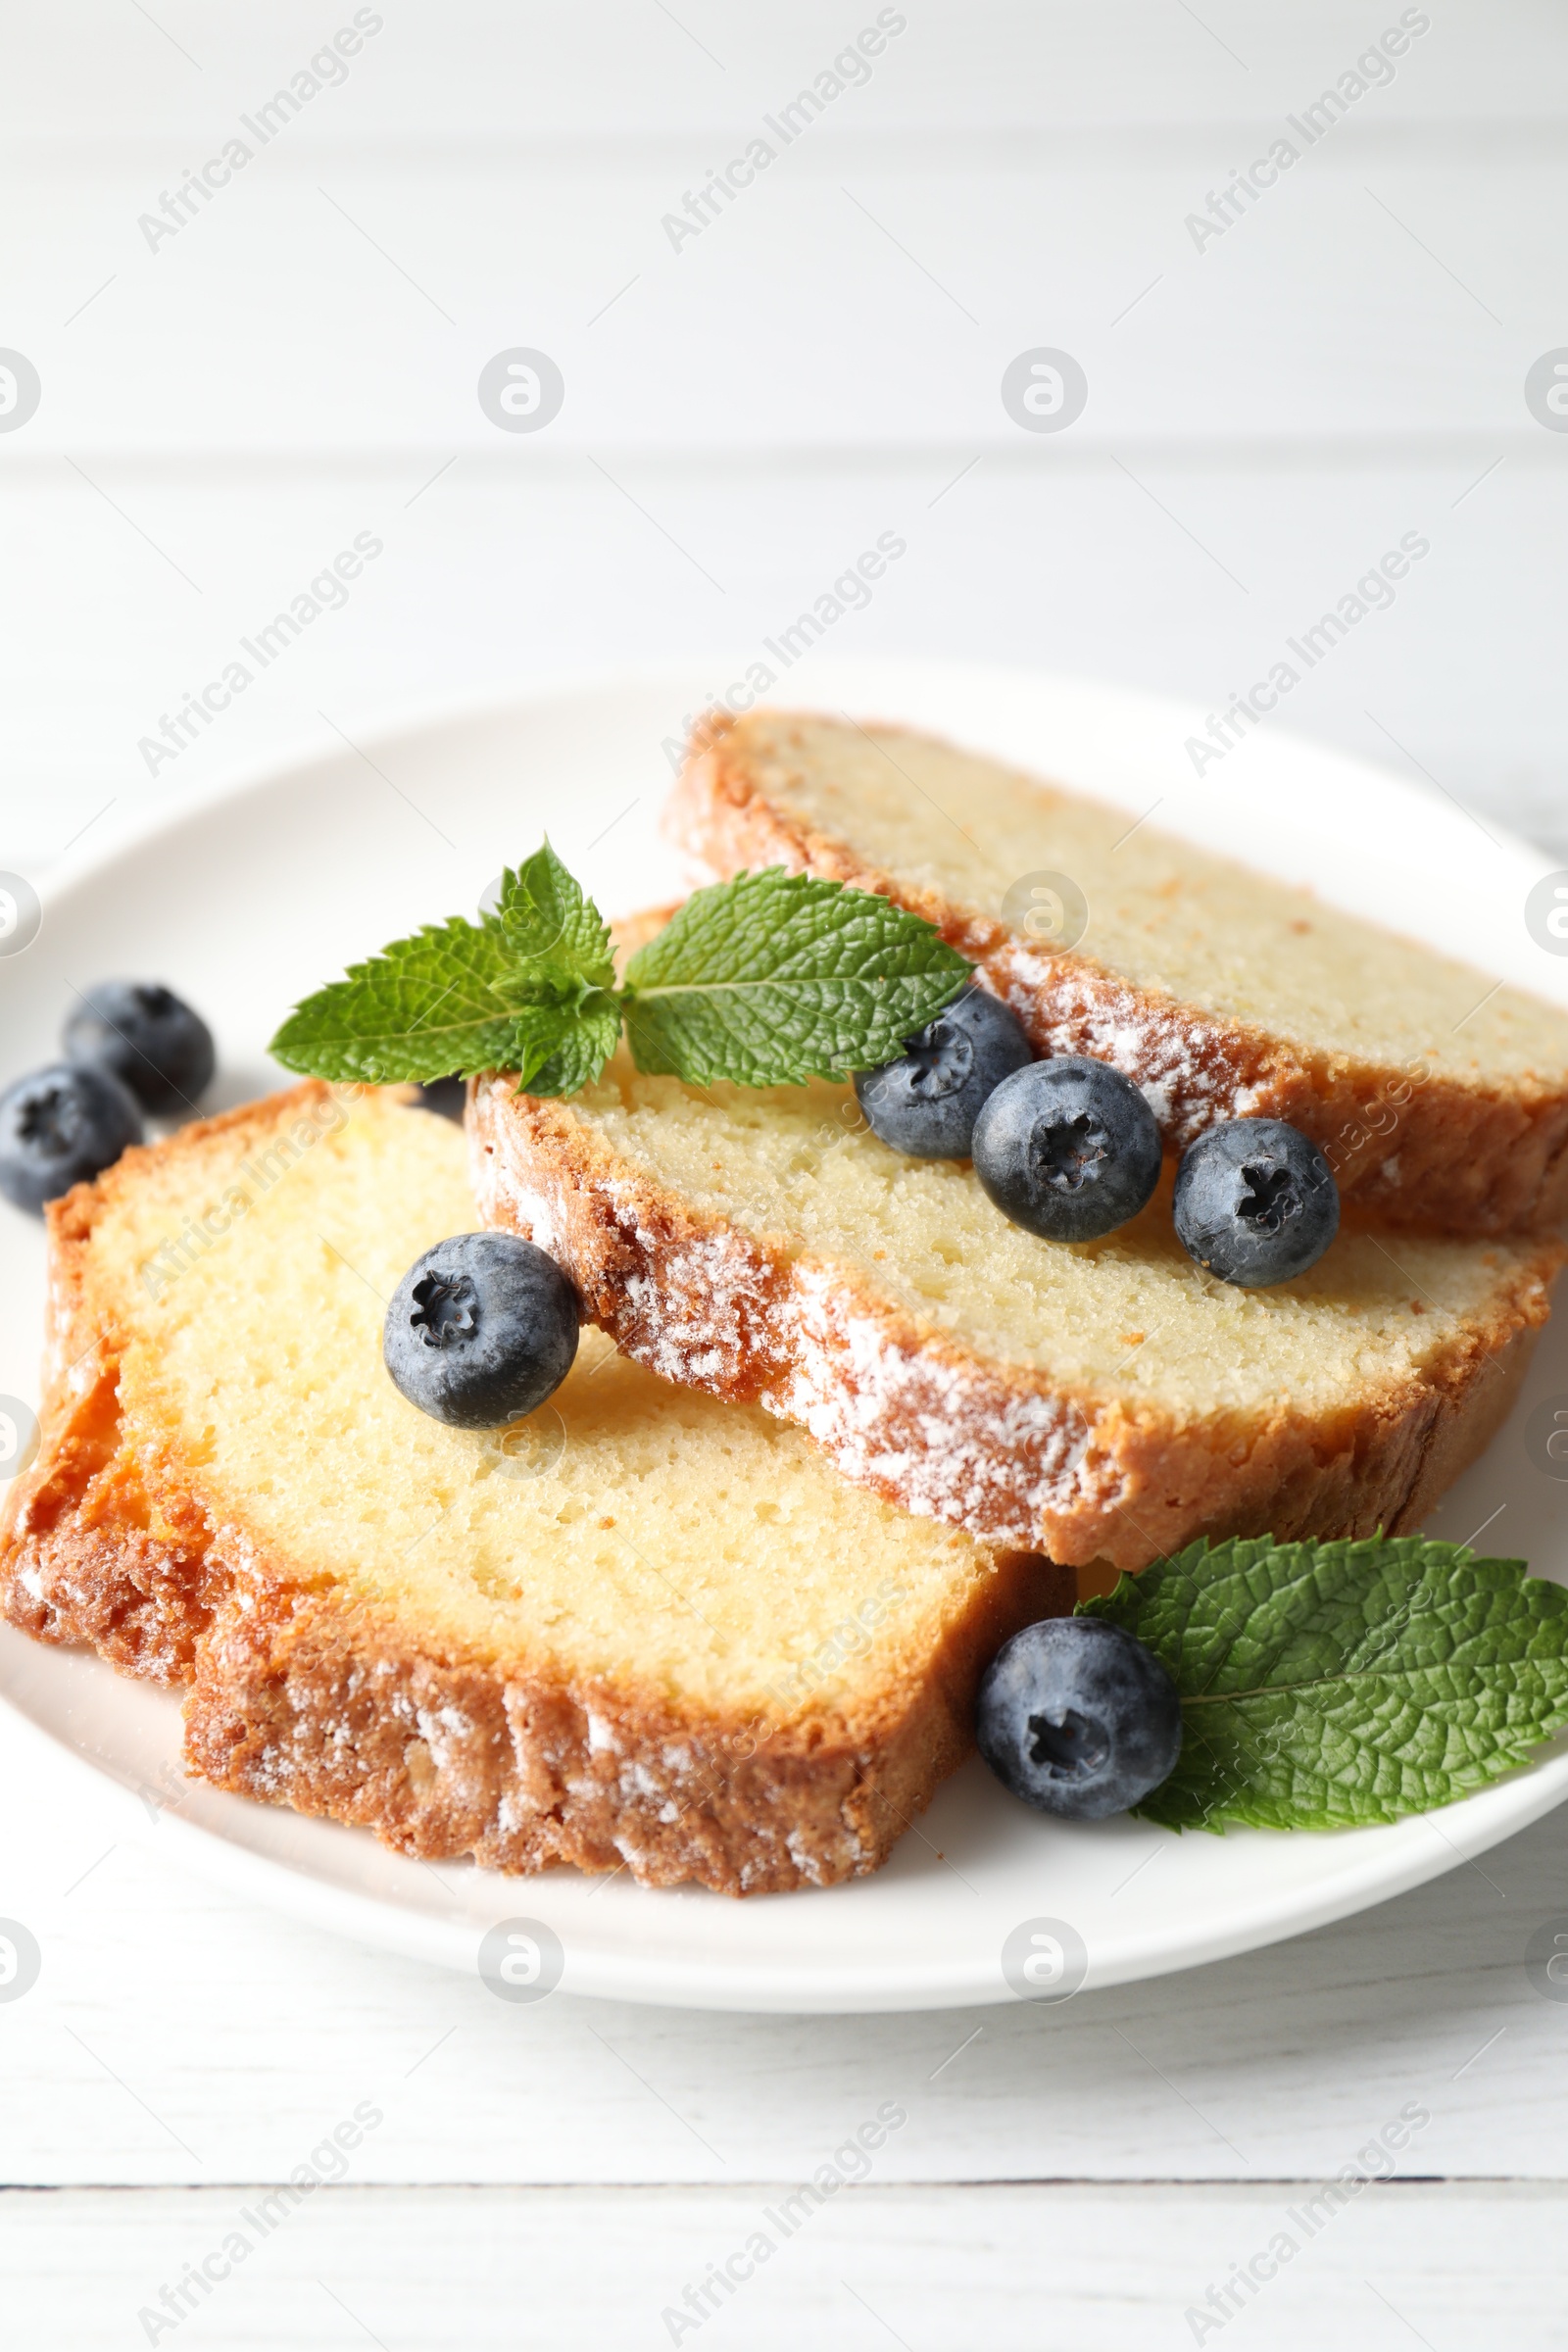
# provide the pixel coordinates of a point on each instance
(1503, 1809)
(82, 863)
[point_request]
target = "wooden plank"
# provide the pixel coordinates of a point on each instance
(715, 67)
(848, 297)
(993, 2270)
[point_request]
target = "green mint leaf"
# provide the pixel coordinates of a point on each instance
(545, 918)
(766, 980)
(1326, 1686)
(529, 988)
(430, 1005)
(583, 1043)
(773, 978)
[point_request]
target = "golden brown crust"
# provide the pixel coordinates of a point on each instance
(999, 1450)
(297, 1696)
(1432, 1151)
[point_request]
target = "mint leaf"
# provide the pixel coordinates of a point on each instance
(548, 923)
(766, 980)
(529, 988)
(1331, 1685)
(428, 1006)
(545, 918)
(588, 1033)
(773, 978)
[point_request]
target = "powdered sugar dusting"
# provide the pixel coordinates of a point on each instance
(535, 1218)
(708, 1306)
(694, 1320)
(948, 1436)
(1190, 1070)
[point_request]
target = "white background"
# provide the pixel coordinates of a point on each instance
(219, 415)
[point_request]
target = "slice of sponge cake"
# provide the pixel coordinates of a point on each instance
(1440, 1099)
(1102, 1401)
(645, 1627)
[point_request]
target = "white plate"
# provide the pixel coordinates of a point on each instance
(254, 895)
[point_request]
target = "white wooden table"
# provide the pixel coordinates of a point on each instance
(221, 409)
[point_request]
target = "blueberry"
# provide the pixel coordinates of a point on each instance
(1256, 1203)
(1078, 1718)
(60, 1126)
(448, 1097)
(481, 1329)
(148, 1038)
(1067, 1148)
(926, 1103)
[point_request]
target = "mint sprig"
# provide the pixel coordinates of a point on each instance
(775, 977)
(530, 987)
(765, 980)
(1331, 1686)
